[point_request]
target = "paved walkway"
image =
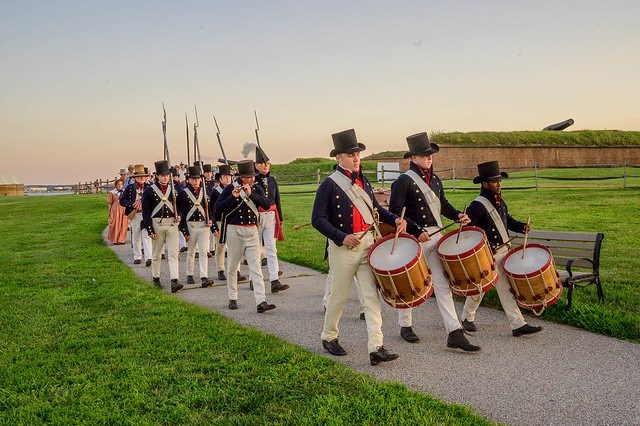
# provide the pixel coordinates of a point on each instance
(561, 376)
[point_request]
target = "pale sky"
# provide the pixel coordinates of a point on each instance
(82, 82)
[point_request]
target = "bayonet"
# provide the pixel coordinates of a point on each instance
(257, 128)
(220, 141)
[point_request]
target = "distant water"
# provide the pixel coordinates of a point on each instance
(46, 194)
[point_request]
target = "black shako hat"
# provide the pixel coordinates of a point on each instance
(489, 171)
(261, 156)
(194, 172)
(162, 167)
(346, 142)
(419, 145)
(246, 168)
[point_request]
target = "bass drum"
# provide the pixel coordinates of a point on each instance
(403, 277)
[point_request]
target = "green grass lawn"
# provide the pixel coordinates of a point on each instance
(611, 211)
(84, 341)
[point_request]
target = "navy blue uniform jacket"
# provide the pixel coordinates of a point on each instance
(332, 212)
(236, 211)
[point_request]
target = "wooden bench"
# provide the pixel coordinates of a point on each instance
(578, 252)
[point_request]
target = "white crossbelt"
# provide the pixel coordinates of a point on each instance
(164, 200)
(432, 199)
(358, 196)
(196, 203)
(495, 216)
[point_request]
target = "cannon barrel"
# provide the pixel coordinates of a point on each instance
(560, 126)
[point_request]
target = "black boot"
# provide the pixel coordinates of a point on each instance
(526, 329)
(407, 334)
(264, 307)
(175, 286)
(206, 282)
(190, 279)
(469, 325)
(277, 286)
(458, 340)
(156, 282)
(381, 355)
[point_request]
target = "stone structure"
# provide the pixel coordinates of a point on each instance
(10, 185)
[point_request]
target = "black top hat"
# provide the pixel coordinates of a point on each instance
(261, 157)
(347, 142)
(419, 145)
(246, 168)
(194, 172)
(223, 169)
(489, 171)
(162, 167)
(207, 168)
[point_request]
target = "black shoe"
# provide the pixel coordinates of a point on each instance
(164, 257)
(210, 254)
(381, 355)
(263, 262)
(251, 285)
(233, 304)
(206, 282)
(156, 282)
(526, 329)
(197, 255)
(190, 279)
(137, 262)
(147, 263)
(175, 286)
(469, 325)
(264, 307)
(221, 276)
(362, 317)
(334, 347)
(183, 249)
(407, 334)
(277, 286)
(244, 262)
(242, 278)
(458, 340)
(279, 273)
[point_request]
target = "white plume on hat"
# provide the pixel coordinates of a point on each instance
(248, 148)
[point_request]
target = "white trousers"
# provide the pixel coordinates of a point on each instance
(166, 233)
(267, 231)
(507, 300)
(344, 265)
(220, 251)
(198, 242)
(441, 289)
(243, 241)
(140, 239)
(327, 291)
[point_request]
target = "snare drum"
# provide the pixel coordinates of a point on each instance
(468, 262)
(403, 277)
(534, 281)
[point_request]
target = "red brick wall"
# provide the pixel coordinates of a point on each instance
(465, 158)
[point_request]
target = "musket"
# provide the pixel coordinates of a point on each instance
(257, 128)
(196, 152)
(220, 141)
(186, 122)
(166, 153)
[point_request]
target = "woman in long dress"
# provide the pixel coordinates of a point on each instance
(118, 222)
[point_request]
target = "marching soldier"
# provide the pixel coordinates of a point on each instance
(238, 205)
(489, 212)
(162, 220)
(270, 227)
(421, 192)
(196, 224)
(344, 211)
(131, 200)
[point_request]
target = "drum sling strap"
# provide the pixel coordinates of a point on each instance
(497, 219)
(164, 200)
(432, 199)
(196, 203)
(360, 199)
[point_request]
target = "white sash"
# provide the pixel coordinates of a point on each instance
(432, 199)
(358, 196)
(218, 188)
(495, 216)
(196, 203)
(164, 199)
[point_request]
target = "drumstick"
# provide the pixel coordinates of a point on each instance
(526, 234)
(440, 229)
(393, 246)
(460, 229)
(301, 226)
